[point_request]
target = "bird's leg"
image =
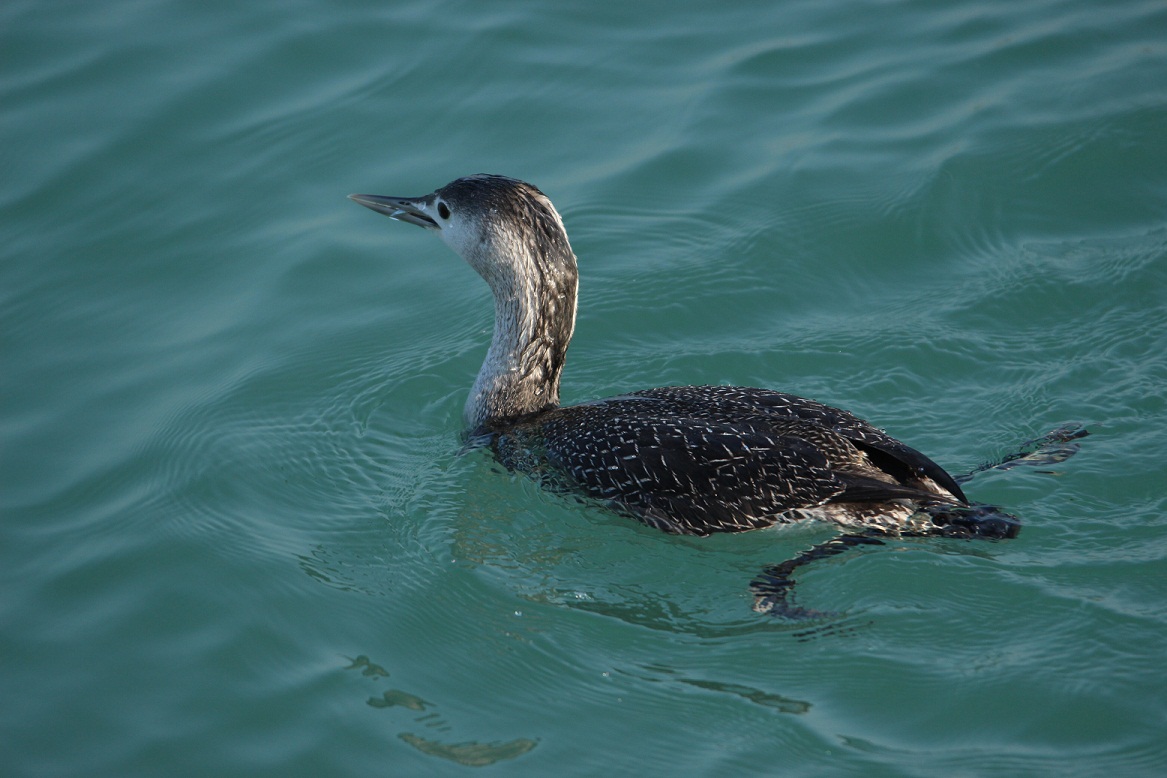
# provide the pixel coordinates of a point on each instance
(1050, 449)
(773, 587)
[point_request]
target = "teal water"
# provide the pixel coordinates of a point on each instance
(238, 537)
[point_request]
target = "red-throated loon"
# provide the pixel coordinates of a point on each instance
(685, 459)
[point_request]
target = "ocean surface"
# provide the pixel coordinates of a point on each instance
(238, 532)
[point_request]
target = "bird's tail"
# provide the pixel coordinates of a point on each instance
(977, 520)
(774, 586)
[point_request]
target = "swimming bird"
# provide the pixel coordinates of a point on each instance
(685, 459)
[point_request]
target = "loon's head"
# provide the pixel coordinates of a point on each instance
(504, 228)
(510, 233)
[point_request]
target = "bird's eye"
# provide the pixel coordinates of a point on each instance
(443, 211)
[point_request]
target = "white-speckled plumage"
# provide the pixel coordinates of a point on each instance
(690, 459)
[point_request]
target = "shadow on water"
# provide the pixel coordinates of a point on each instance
(656, 673)
(470, 753)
